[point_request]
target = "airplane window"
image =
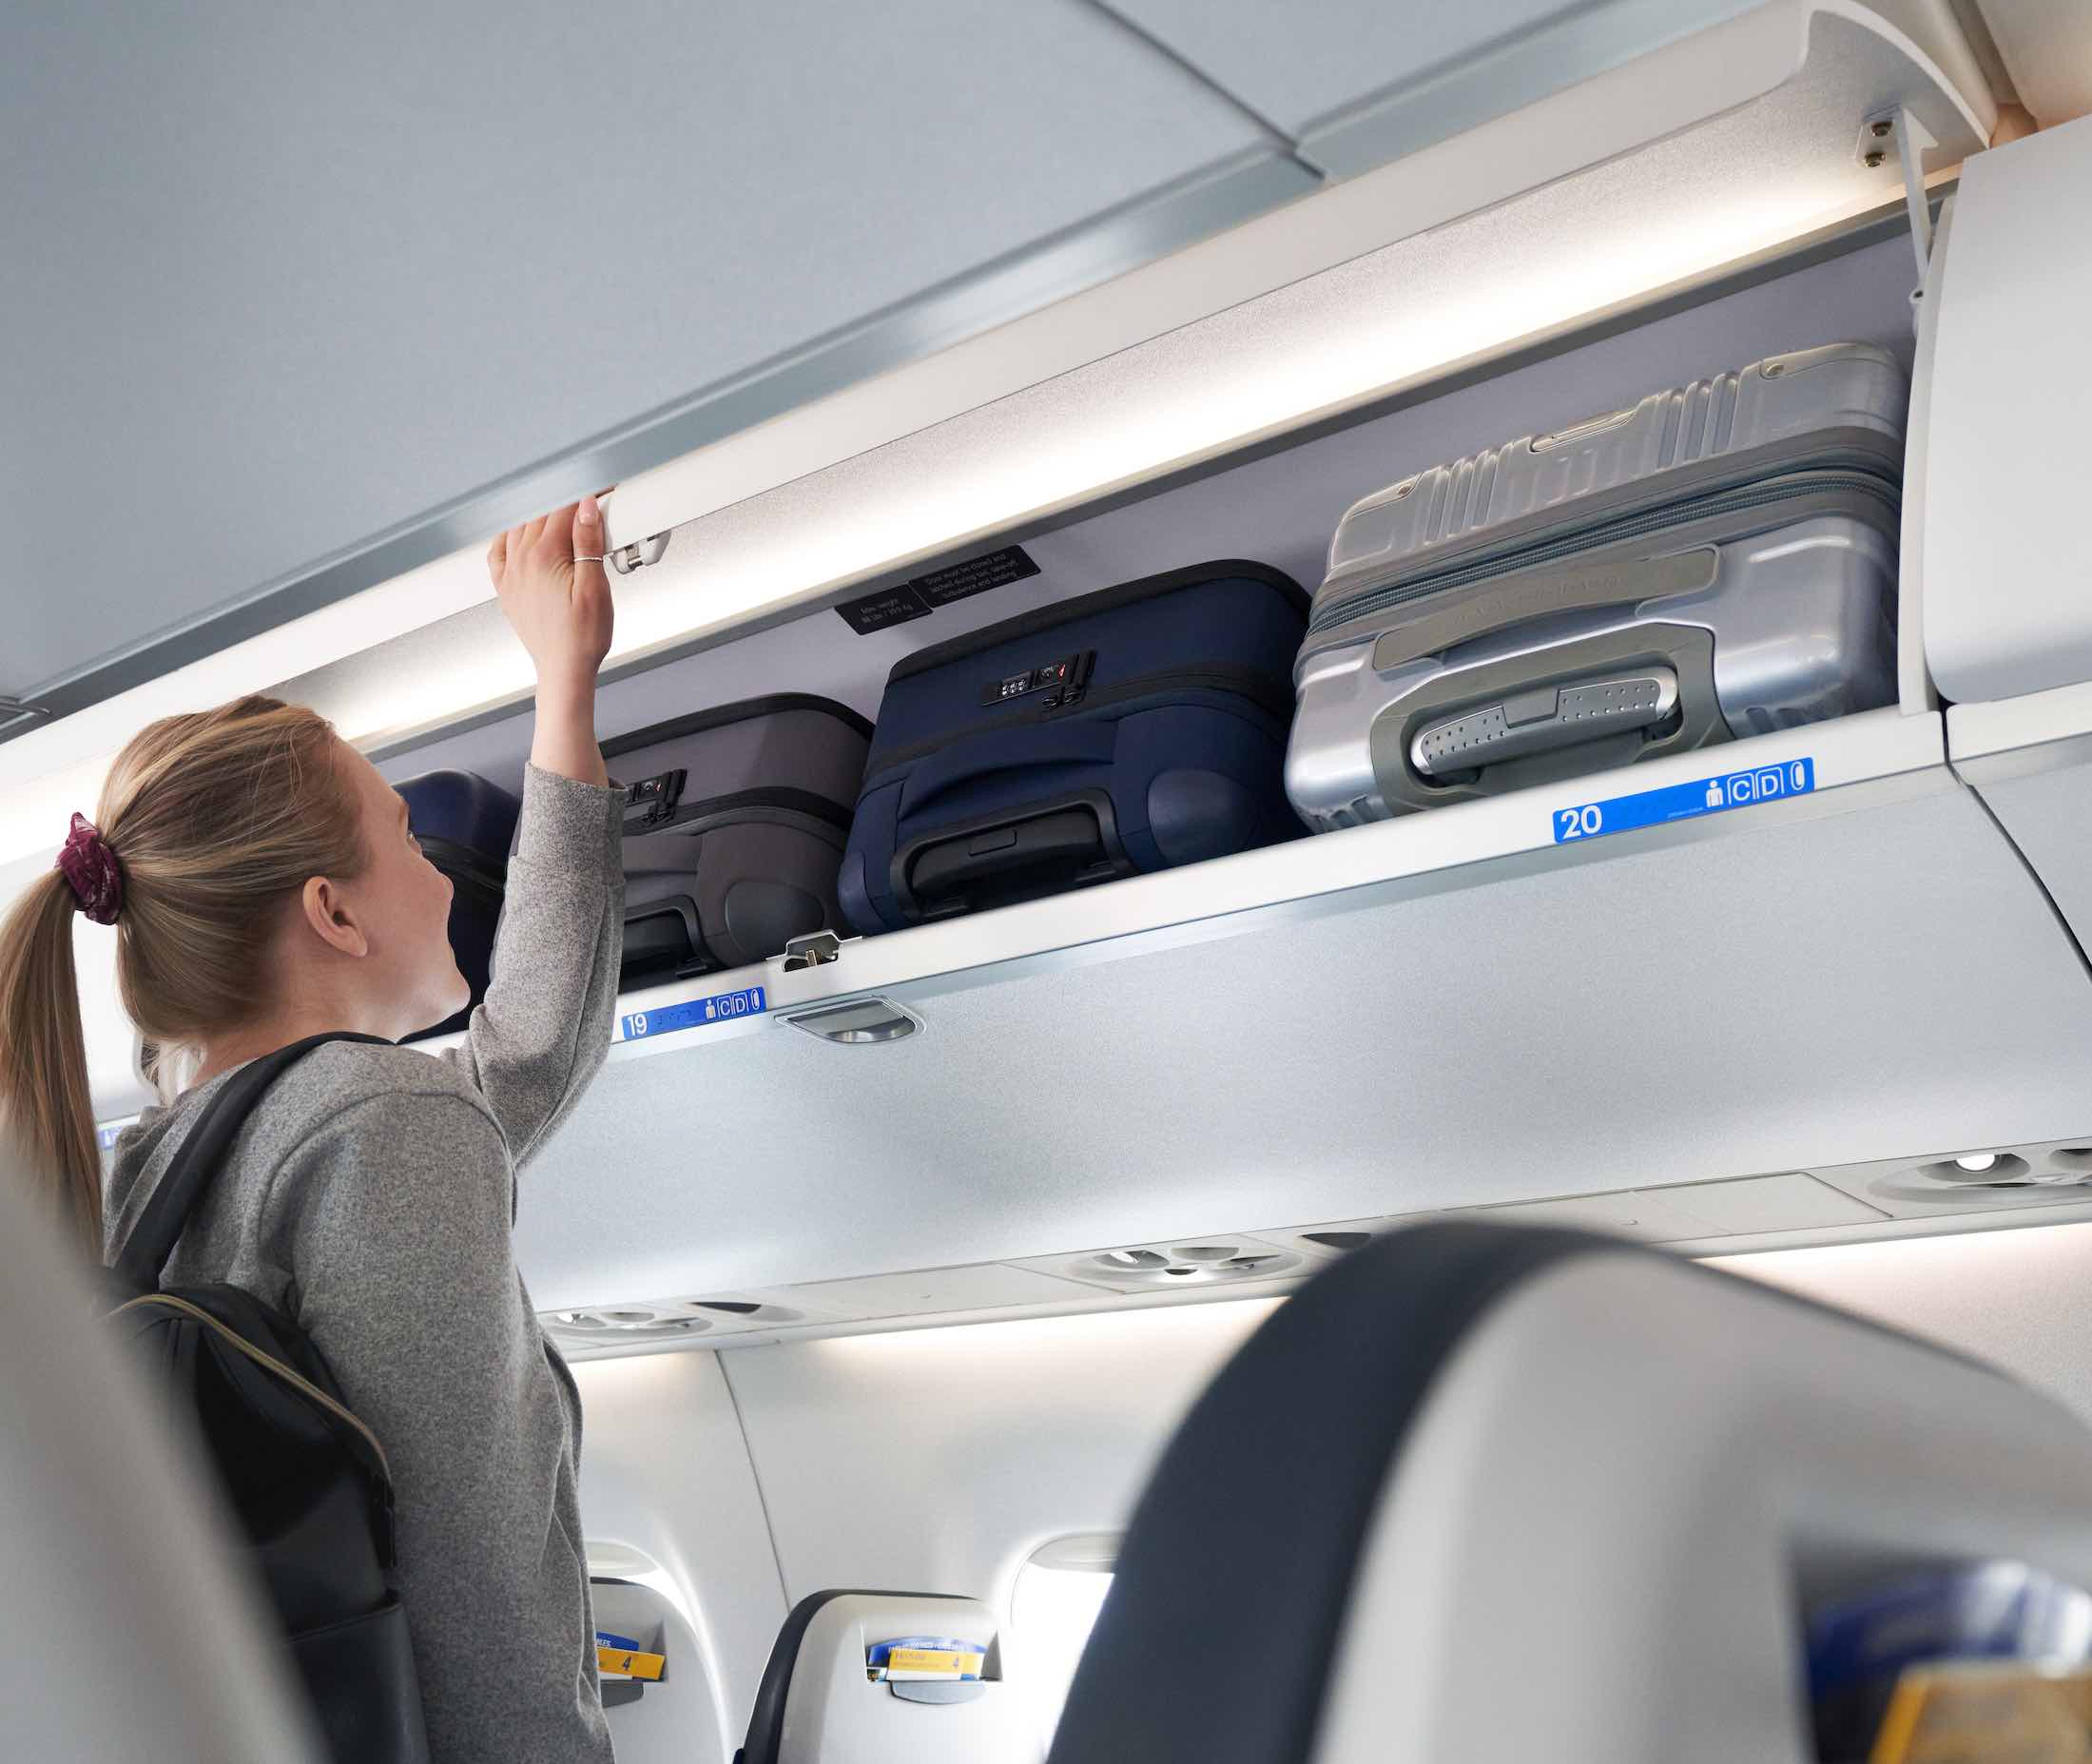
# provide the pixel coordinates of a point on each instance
(1052, 1612)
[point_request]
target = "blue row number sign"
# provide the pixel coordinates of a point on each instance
(1685, 801)
(694, 1014)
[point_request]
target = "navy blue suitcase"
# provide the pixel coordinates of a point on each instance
(1132, 729)
(466, 827)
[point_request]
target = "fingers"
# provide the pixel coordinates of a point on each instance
(575, 530)
(587, 533)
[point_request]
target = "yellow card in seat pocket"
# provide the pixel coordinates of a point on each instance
(629, 1664)
(1987, 1712)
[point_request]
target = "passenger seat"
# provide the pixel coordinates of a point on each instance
(819, 1702)
(127, 1632)
(1490, 1494)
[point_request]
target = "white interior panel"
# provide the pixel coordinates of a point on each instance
(933, 1289)
(2047, 48)
(1791, 1202)
(941, 1460)
(1691, 1004)
(2019, 1299)
(2006, 549)
(2042, 798)
(666, 1474)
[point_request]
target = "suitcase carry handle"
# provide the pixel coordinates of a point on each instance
(991, 753)
(1558, 710)
(988, 863)
(1544, 720)
(664, 934)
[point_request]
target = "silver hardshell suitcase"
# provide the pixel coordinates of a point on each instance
(1718, 561)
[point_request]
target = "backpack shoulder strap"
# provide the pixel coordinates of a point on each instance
(195, 1161)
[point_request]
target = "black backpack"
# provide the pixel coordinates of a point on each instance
(307, 1481)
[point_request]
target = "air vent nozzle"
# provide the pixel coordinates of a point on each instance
(1188, 1264)
(623, 1324)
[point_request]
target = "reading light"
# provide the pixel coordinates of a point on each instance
(858, 1023)
(1977, 1162)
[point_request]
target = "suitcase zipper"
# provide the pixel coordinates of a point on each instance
(1271, 694)
(807, 802)
(1783, 489)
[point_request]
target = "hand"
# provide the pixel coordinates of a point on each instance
(560, 609)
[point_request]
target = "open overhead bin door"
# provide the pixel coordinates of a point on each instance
(304, 301)
(1732, 140)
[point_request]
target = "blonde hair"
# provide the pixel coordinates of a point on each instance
(217, 819)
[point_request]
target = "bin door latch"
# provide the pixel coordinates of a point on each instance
(815, 950)
(626, 558)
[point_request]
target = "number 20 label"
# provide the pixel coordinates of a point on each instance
(1583, 822)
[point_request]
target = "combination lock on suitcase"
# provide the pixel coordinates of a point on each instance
(1718, 561)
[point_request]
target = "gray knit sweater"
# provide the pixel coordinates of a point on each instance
(371, 1196)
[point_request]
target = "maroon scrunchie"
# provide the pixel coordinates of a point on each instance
(91, 867)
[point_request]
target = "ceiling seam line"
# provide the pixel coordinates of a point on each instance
(1281, 138)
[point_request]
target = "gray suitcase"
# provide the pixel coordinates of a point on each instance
(1718, 561)
(735, 821)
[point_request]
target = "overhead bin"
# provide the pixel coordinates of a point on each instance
(1453, 1010)
(1504, 1001)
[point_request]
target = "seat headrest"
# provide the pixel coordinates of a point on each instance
(873, 1677)
(1495, 1492)
(132, 1630)
(1346, 1362)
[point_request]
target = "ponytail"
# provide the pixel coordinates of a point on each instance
(44, 1097)
(208, 825)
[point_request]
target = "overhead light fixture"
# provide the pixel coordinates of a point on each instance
(858, 1023)
(1977, 1162)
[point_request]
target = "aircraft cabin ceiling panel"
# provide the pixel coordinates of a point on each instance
(1359, 81)
(285, 284)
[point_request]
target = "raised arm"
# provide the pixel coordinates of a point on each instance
(549, 574)
(545, 1026)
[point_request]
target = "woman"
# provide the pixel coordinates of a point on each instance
(266, 886)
